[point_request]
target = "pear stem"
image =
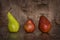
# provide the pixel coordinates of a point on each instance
(28, 17)
(9, 9)
(42, 14)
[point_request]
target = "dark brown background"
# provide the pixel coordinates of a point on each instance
(21, 9)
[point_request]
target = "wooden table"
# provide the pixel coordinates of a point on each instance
(33, 9)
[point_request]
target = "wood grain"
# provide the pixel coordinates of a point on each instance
(21, 9)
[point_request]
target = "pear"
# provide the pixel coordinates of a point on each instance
(44, 24)
(13, 25)
(29, 26)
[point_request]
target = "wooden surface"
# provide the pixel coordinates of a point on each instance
(21, 9)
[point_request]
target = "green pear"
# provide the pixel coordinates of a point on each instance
(13, 25)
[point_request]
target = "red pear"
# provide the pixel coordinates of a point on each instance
(44, 24)
(29, 26)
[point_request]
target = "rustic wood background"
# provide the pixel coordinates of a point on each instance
(21, 9)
